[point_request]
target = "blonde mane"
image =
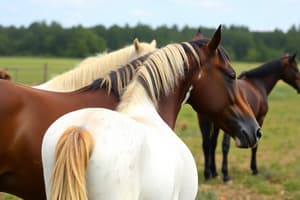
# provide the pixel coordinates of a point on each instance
(118, 79)
(94, 67)
(161, 71)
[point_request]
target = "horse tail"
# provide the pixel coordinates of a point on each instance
(72, 154)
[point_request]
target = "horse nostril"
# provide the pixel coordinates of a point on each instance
(258, 134)
(244, 132)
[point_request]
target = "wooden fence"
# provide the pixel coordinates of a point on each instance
(33, 75)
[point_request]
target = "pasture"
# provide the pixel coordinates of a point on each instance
(278, 153)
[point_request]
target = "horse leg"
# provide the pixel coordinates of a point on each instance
(253, 164)
(213, 145)
(205, 130)
(225, 151)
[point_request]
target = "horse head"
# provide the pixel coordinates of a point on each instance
(4, 75)
(198, 35)
(142, 47)
(290, 72)
(216, 95)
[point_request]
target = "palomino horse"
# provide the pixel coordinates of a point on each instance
(94, 67)
(131, 153)
(256, 85)
(31, 112)
(4, 75)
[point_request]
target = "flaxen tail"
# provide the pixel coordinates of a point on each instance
(72, 154)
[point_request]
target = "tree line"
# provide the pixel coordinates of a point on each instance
(42, 39)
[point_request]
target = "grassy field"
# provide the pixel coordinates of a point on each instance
(32, 70)
(278, 153)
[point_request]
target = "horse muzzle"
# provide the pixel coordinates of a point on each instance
(248, 139)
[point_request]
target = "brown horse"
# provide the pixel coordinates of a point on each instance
(4, 75)
(31, 111)
(256, 85)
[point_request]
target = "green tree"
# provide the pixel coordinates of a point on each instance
(82, 42)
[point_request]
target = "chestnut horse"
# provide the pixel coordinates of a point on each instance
(256, 85)
(94, 67)
(97, 153)
(4, 75)
(31, 112)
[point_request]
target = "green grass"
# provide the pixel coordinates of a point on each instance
(31, 70)
(278, 153)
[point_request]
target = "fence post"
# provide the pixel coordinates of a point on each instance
(45, 72)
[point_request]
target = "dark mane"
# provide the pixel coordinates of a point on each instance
(262, 70)
(120, 77)
(221, 50)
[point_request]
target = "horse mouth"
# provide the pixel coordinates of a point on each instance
(242, 143)
(244, 140)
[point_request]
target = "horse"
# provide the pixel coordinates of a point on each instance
(94, 67)
(198, 35)
(256, 84)
(4, 75)
(32, 111)
(131, 153)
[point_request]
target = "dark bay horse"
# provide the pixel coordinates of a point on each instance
(4, 75)
(31, 111)
(256, 85)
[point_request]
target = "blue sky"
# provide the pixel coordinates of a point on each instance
(255, 14)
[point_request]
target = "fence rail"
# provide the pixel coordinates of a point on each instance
(33, 75)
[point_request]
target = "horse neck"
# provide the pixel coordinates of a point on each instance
(170, 105)
(88, 70)
(136, 103)
(266, 81)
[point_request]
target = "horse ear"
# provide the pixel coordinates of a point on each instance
(136, 43)
(215, 40)
(153, 43)
(198, 35)
(292, 58)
